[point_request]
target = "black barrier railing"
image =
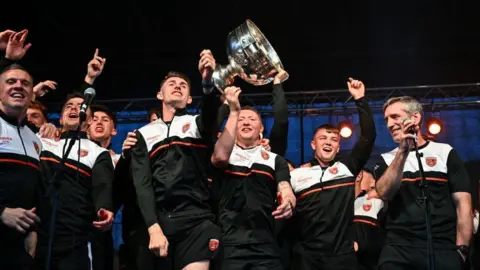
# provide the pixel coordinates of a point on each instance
(322, 102)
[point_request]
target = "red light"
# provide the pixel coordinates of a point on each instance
(434, 126)
(345, 129)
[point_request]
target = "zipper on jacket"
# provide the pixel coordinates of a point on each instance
(321, 177)
(21, 139)
(168, 126)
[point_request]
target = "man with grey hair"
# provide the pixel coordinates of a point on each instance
(398, 178)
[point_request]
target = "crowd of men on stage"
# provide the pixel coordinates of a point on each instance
(208, 191)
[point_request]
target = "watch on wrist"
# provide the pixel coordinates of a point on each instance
(463, 249)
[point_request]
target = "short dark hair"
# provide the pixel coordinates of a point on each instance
(328, 127)
(106, 110)
(70, 96)
(37, 105)
(176, 74)
(16, 66)
(156, 111)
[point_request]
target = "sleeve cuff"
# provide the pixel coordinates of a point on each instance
(208, 86)
(151, 222)
(360, 100)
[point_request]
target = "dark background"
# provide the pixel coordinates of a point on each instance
(321, 43)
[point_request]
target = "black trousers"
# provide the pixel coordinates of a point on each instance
(12, 251)
(101, 244)
(307, 258)
(251, 257)
(66, 258)
(407, 258)
(139, 257)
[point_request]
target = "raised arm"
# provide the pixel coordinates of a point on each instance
(363, 147)
(224, 145)
(223, 112)
(94, 68)
(14, 45)
(279, 132)
(207, 121)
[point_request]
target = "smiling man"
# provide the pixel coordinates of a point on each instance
(19, 157)
(101, 130)
(253, 189)
(169, 164)
(19, 166)
(84, 186)
(398, 183)
(326, 191)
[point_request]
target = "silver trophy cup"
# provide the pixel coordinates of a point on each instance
(250, 56)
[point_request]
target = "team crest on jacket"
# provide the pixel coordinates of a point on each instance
(431, 161)
(213, 244)
(83, 153)
(265, 155)
(367, 206)
(333, 170)
(185, 127)
(37, 148)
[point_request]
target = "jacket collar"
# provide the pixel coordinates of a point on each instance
(73, 134)
(314, 162)
(12, 120)
(178, 112)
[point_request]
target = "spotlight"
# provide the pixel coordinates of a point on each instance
(434, 126)
(345, 129)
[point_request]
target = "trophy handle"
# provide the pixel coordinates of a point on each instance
(224, 75)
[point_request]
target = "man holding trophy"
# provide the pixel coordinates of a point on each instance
(251, 184)
(168, 165)
(180, 234)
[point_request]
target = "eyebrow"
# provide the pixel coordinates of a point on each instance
(390, 115)
(181, 82)
(18, 79)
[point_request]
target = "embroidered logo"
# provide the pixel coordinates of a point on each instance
(333, 170)
(185, 127)
(431, 161)
(37, 148)
(83, 153)
(367, 206)
(213, 244)
(265, 155)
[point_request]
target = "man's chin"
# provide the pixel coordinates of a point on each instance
(71, 126)
(245, 138)
(177, 102)
(97, 137)
(327, 158)
(17, 105)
